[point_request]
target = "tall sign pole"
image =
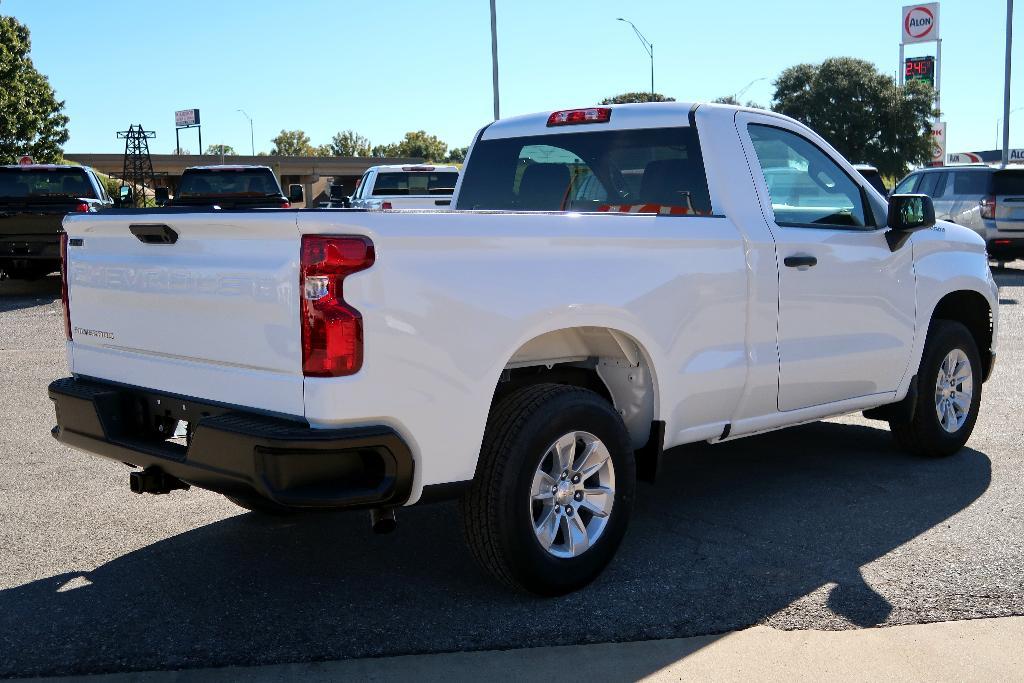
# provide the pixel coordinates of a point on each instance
(1006, 83)
(920, 24)
(494, 60)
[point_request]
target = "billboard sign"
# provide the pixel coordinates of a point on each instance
(186, 117)
(964, 158)
(938, 142)
(921, 23)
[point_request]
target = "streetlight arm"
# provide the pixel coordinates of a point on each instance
(648, 45)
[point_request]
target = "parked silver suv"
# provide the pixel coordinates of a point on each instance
(987, 199)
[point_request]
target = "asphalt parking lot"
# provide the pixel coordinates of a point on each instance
(826, 526)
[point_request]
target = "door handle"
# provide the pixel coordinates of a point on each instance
(802, 261)
(154, 234)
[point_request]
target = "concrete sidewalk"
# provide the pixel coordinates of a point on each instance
(981, 649)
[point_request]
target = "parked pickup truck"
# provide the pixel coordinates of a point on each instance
(232, 187)
(405, 187)
(615, 281)
(33, 201)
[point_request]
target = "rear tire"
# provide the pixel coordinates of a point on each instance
(553, 490)
(949, 393)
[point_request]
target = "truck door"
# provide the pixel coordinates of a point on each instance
(846, 302)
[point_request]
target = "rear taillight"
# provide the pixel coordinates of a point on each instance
(571, 117)
(286, 205)
(82, 208)
(988, 207)
(64, 284)
(385, 206)
(332, 331)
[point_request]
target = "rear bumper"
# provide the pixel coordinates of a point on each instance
(235, 452)
(30, 247)
(1005, 247)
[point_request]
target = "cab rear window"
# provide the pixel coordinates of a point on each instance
(391, 183)
(656, 170)
(19, 183)
(227, 182)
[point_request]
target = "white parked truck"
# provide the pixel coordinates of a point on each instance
(615, 281)
(405, 186)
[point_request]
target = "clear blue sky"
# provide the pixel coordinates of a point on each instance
(383, 68)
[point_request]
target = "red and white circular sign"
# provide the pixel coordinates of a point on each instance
(26, 161)
(919, 23)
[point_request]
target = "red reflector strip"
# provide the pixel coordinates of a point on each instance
(572, 117)
(1001, 243)
(64, 299)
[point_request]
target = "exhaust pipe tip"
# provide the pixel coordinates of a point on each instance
(383, 521)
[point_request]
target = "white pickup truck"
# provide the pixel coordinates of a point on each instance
(408, 186)
(614, 281)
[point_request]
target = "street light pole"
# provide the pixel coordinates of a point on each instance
(648, 47)
(999, 124)
(1006, 83)
(745, 88)
(252, 138)
(494, 59)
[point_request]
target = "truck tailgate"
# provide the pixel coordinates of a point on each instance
(199, 304)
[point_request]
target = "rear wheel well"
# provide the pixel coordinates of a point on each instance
(972, 310)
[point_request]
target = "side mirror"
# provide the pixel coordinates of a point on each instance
(162, 195)
(295, 194)
(908, 213)
(125, 197)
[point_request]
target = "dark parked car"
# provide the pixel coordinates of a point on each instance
(232, 187)
(33, 202)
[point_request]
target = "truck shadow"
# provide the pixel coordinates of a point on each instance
(17, 294)
(729, 536)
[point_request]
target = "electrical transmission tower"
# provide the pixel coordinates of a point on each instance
(138, 167)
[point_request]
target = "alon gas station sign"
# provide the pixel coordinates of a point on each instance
(921, 23)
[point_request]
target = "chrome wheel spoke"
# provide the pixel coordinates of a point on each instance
(594, 457)
(598, 501)
(564, 452)
(576, 535)
(542, 485)
(547, 529)
(962, 403)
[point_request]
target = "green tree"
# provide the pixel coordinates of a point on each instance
(349, 143)
(457, 155)
(323, 151)
(389, 150)
(417, 144)
(629, 97)
(226, 150)
(860, 111)
(31, 118)
(420, 144)
(292, 143)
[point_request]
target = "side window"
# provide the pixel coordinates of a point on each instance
(970, 183)
(99, 186)
(806, 187)
(907, 185)
(929, 182)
